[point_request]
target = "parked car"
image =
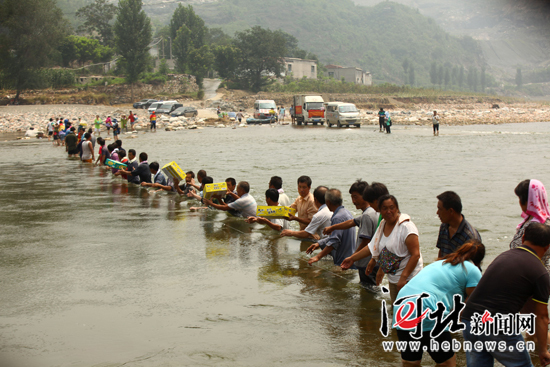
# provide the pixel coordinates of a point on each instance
(154, 106)
(144, 103)
(185, 111)
(168, 106)
(342, 114)
(157, 105)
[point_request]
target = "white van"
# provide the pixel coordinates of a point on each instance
(342, 114)
(262, 108)
(154, 106)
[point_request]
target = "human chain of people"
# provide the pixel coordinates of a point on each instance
(384, 242)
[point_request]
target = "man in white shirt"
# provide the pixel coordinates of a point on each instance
(320, 220)
(245, 205)
(277, 183)
(272, 199)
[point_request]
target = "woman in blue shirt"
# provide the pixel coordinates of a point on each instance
(457, 274)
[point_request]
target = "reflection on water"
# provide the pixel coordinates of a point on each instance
(98, 272)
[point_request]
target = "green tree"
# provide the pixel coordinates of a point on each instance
(185, 16)
(200, 62)
(29, 33)
(262, 51)
(461, 76)
(132, 35)
(454, 75)
(411, 75)
(447, 78)
(473, 78)
(440, 75)
(217, 37)
(98, 18)
(163, 67)
(181, 47)
(82, 49)
(519, 78)
(433, 73)
(226, 61)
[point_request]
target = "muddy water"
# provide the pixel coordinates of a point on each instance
(96, 273)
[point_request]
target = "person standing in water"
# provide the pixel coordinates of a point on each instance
(281, 114)
(382, 119)
(388, 122)
(435, 122)
(97, 125)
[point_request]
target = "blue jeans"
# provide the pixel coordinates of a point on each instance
(486, 358)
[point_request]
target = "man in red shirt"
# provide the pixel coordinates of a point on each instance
(132, 119)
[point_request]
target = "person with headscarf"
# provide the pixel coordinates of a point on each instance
(534, 206)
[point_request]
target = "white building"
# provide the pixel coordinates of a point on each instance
(350, 74)
(299, 68)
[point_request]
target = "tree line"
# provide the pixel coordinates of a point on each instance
(458, 77)
(34, 37)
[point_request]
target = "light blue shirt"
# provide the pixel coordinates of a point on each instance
(341, 240)
(441, 282)
(245, 205)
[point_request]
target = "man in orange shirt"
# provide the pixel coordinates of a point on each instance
(304, 204)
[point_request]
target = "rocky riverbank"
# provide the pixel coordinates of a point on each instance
(404, 111)
(454, 110)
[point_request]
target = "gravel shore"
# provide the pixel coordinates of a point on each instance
(19, 119)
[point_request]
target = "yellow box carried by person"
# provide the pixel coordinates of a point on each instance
(172, 170)
(214, 189)
(274, 212)
(115, 164)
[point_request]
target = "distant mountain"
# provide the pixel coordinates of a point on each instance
(378, 39)
(511, 33)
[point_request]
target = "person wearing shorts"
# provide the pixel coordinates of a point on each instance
(97, 125)
(435, 121)
(108, 125)
(132, 120)
(50, 129)
(56, 130)
(153, 120)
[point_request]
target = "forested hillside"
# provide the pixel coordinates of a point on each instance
(379, 39)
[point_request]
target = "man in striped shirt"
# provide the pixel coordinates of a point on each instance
(455, 229)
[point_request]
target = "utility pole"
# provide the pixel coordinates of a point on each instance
(163, 54)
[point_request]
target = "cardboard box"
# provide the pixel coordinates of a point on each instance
(274, 212)
(114, 164)
(213, 189)
(172, 170)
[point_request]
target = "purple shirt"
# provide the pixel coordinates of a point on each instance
(115, 157)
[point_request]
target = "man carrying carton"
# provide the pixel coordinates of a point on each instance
(272, 199)
(142, 171)
(245, 205)
(158, 178)
(304, 204)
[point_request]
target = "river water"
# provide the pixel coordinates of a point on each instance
(96, 273)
